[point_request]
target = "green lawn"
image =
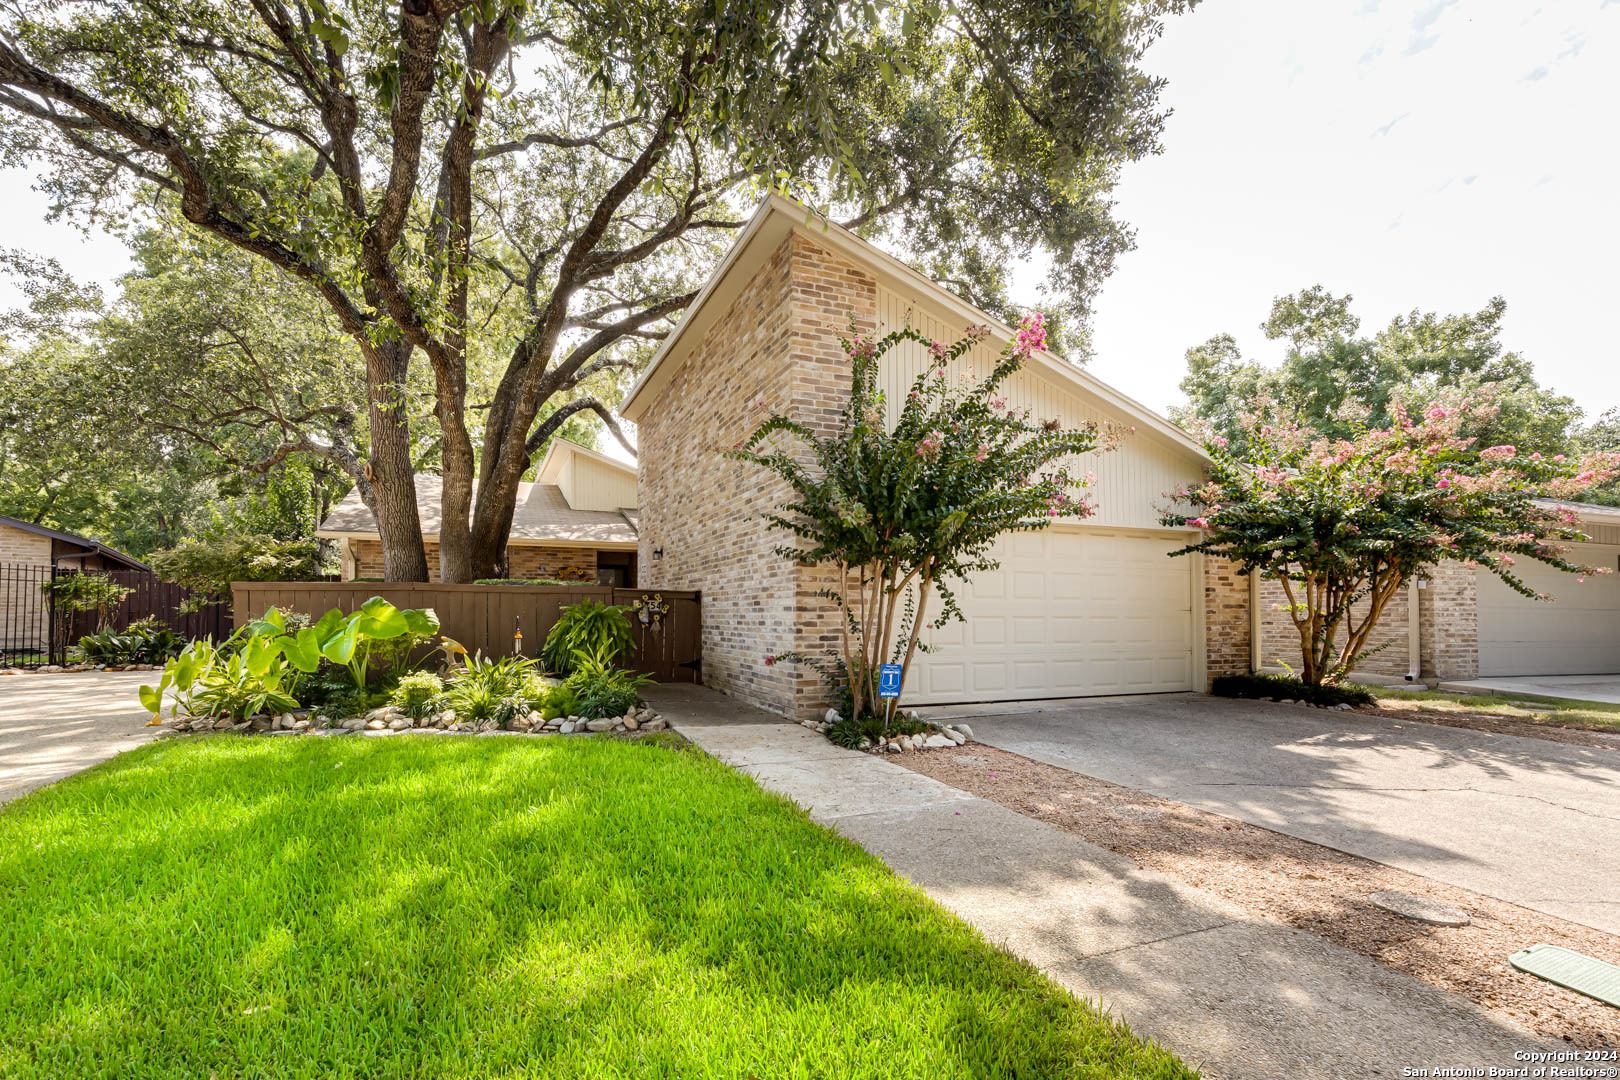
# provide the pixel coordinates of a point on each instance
(460, 907)
(1561, 712)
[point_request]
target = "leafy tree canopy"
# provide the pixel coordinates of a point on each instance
(526, 194)
(1335, 380)
(1344, 523)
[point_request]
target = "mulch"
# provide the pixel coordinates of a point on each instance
(1297, 883)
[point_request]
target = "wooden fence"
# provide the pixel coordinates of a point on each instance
(36, 630)
(486, 617)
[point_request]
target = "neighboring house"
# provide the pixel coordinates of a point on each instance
(22, 543)
(1466, 623)
(28, 555)
(576, 522)
(1094, 608)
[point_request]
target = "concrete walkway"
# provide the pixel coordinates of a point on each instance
(1600, 688)
(1532, 822)
(1234, 996)
(52, 726)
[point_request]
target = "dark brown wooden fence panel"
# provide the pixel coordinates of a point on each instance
(485, 617)
(151, 596)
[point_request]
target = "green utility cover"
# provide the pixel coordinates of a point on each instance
(1583, 974)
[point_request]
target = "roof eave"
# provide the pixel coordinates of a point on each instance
(864, 251)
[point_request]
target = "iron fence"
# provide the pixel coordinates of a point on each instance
(36, 631)
(29, 627)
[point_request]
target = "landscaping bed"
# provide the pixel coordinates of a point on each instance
(1304, 885)
(473, 907)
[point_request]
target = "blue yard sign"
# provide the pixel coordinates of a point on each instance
(889, 681)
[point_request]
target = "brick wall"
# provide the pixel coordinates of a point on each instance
(23, 548)
(523, 561)
(1279, 641)
(1448, 623)
(1227, 624)
(700, 513)
(564, 564)
(22, 622)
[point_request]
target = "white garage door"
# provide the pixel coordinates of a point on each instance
(1068, 614)
(1576, 634)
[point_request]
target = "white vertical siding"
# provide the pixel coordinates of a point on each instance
(588, 484)
(1132, 481)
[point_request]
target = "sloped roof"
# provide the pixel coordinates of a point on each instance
(91, 547)
(778, 217)
(541, 516)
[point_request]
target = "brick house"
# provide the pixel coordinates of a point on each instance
(28, 552)
(1086, 609)
(575, 522)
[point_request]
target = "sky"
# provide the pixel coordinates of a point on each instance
(1427, 154)
(1422, 155)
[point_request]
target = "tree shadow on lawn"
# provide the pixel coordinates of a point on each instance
(488, 907)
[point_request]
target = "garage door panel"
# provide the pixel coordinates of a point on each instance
(1577, 633)
(1067, 614)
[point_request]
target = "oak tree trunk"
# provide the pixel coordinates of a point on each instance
(392, 475)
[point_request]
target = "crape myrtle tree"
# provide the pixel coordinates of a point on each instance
(1344, 524)
(900, 511)
(536, 187)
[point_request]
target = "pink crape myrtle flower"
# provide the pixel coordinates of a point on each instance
(939, 350)
(1031, 335)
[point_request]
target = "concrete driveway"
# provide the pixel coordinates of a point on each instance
(1532, 822)
(52, 726)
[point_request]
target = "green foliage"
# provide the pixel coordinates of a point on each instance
(419, 693)
(145, 641)
(1344, 524)
(590, 627)
(87, 592)
(852, 732)
(375, 645)
(626, 142)
(1288, 688)
(209, 566)
(907, 498)
(523, 581)
(602, 691)
(211, 681)
(1335, 380)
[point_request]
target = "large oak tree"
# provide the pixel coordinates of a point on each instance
(533, 189)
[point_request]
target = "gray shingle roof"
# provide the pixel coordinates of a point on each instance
(542, 514)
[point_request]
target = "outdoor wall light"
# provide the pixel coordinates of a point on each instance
(658, 553)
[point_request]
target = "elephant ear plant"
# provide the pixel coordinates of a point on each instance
(254, 668)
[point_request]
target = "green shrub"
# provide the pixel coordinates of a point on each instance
(599, 630)
(209, 566)
(419, 693)
(209, 682)
(850, 732)
(522, 581)
(603, 691)
(1288, 688)
(561, 701)
(87, 592)
(481, 703)
(146, 641)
